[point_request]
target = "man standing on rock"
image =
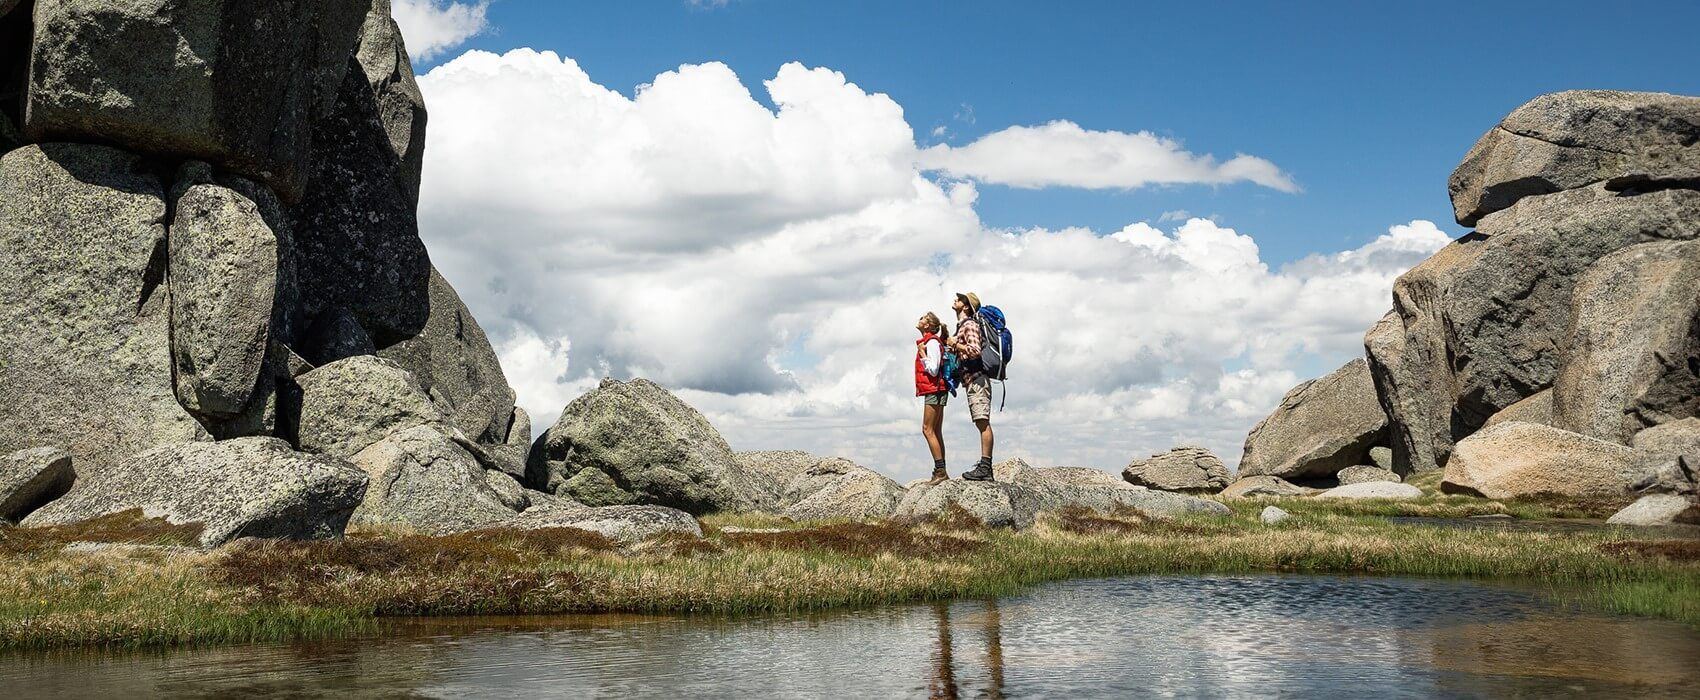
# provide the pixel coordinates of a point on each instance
(966, 343)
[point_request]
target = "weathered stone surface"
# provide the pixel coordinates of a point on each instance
(839, 488)
(771, 471)
(30, 478)
(357, 226)
(350, 404)
(1485, 317)
(1512, 460)
(507, 488)
(1272, 515)
(1321, 427)
(1192, 469)
(1381, 457)
(1363, 474)
(1633, 357)
(246, 487)
(1566, 140)
(1058, 488)
(509, 457)
(85, 359)
(224, 257)
(993, 503)
(1373, 489)
(401, 109)
(237, 84)
(1668, 440)
(1658, 509)
(455, 363)
(1680, 475)
(1267, 486)
(421, 479)
(623, 524)
(633, 442)
(1536, 408)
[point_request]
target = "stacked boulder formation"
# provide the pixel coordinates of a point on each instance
(218, 307)
(1531, 356)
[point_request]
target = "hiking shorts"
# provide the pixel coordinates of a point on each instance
(937, 398)
(979, 398)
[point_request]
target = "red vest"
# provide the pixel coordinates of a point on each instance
(926, 383)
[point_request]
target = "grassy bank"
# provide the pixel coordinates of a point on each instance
(124, 595)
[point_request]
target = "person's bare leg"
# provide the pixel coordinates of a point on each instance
(932, 418)
(985, 427)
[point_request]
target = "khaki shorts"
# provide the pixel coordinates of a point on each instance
(937, 398)
(979, 398)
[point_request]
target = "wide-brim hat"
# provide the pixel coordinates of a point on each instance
(972, 299)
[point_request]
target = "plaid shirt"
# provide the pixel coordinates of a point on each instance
(968, 331)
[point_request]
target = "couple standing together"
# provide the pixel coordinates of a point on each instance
(939, 358)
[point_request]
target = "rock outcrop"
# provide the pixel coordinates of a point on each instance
(992, 503)
(1373, 489)
(31, 478)
(1059, 488)
(622, 524)
(1513, 460)
(1363, 474)
(636, 443)
(1186, 469)
(1658, 509)
(245, 487)
(839, 488)
(1321, 427)
(421, 479)
(1271, 486)
(350, 404)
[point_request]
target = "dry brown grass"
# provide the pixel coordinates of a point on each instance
(1673, 550)
(865, 540)
(126, 527)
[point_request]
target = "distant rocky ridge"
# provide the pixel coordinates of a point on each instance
(1528, 356)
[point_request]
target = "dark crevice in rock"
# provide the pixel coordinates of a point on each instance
(1560, 144)
(155, 273)
(16, 32)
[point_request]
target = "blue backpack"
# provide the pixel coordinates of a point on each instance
(996, 344)
(950, 367)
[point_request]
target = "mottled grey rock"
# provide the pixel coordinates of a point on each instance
(839, 488)
(237, 84)
(1058, 488)
(634, 442)
(1321, 427)
(350, 404)
(509, 457)
(992, 503)
(513, 495)
(30, 478)
(421, 479)
(623, 524)
(1191, 469)
(1265, 486)
(1658, 509)
(1633, 357)
(335, 335)
(1381, 457)
(1485, 317)
(771, 471)
(401, 109)
(1272, 515)
(224, 259)
(1666, 456)
(454, 362)
(85, 359)
(1363, 474)
(1669, 440)
(1373, 489)
(246, 487)
(1566, 140)
(1513, 460)
(1536, 408)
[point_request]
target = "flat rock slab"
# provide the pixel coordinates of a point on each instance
(1658, 509)
(1192, 469)
(1512, 460)
(1268, 486)
(31, 478)
(1364, 474)
(1373, 489)
(246, 487)
(992, 503)
(623, 524)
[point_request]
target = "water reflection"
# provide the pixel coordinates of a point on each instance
(1179, 636)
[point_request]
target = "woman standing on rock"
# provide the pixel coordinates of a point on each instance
(934, 388)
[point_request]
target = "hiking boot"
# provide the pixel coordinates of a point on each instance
(939, 476)
(982, 472)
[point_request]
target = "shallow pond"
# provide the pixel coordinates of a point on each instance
(1309, 636)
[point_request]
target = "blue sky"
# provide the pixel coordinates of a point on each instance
(1368, 106)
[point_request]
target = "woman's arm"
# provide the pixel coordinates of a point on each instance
(931, 364)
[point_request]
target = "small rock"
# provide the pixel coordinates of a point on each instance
(31, 478)
(1272, 515)
(623, 524)
(1373, 489)
(1192, 469)
(1381, 457)
(1658, 509)
(1254, 486)
(1365, 474)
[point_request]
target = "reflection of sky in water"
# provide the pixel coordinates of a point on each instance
(1171, 636)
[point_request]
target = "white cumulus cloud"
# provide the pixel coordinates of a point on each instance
(769, 263)
(1061, 153)
(431, 27)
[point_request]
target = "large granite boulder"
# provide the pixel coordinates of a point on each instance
(635, 443)
(454, 362)
(1633, 356)
(622, 524)
(839, 488)
(401, 109)
(1668, 441)
(231, 278)
(770, 472)
(85, 359)
(421, 479)
(1059, 488)
(238, 84)
(1536, 408)
(31, 478)
(1188, 469)
(1321, 427)
(510, 456)
(348, 405)
(1567, 140)
(246, 487)
(992, 503)
(1513, 460)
